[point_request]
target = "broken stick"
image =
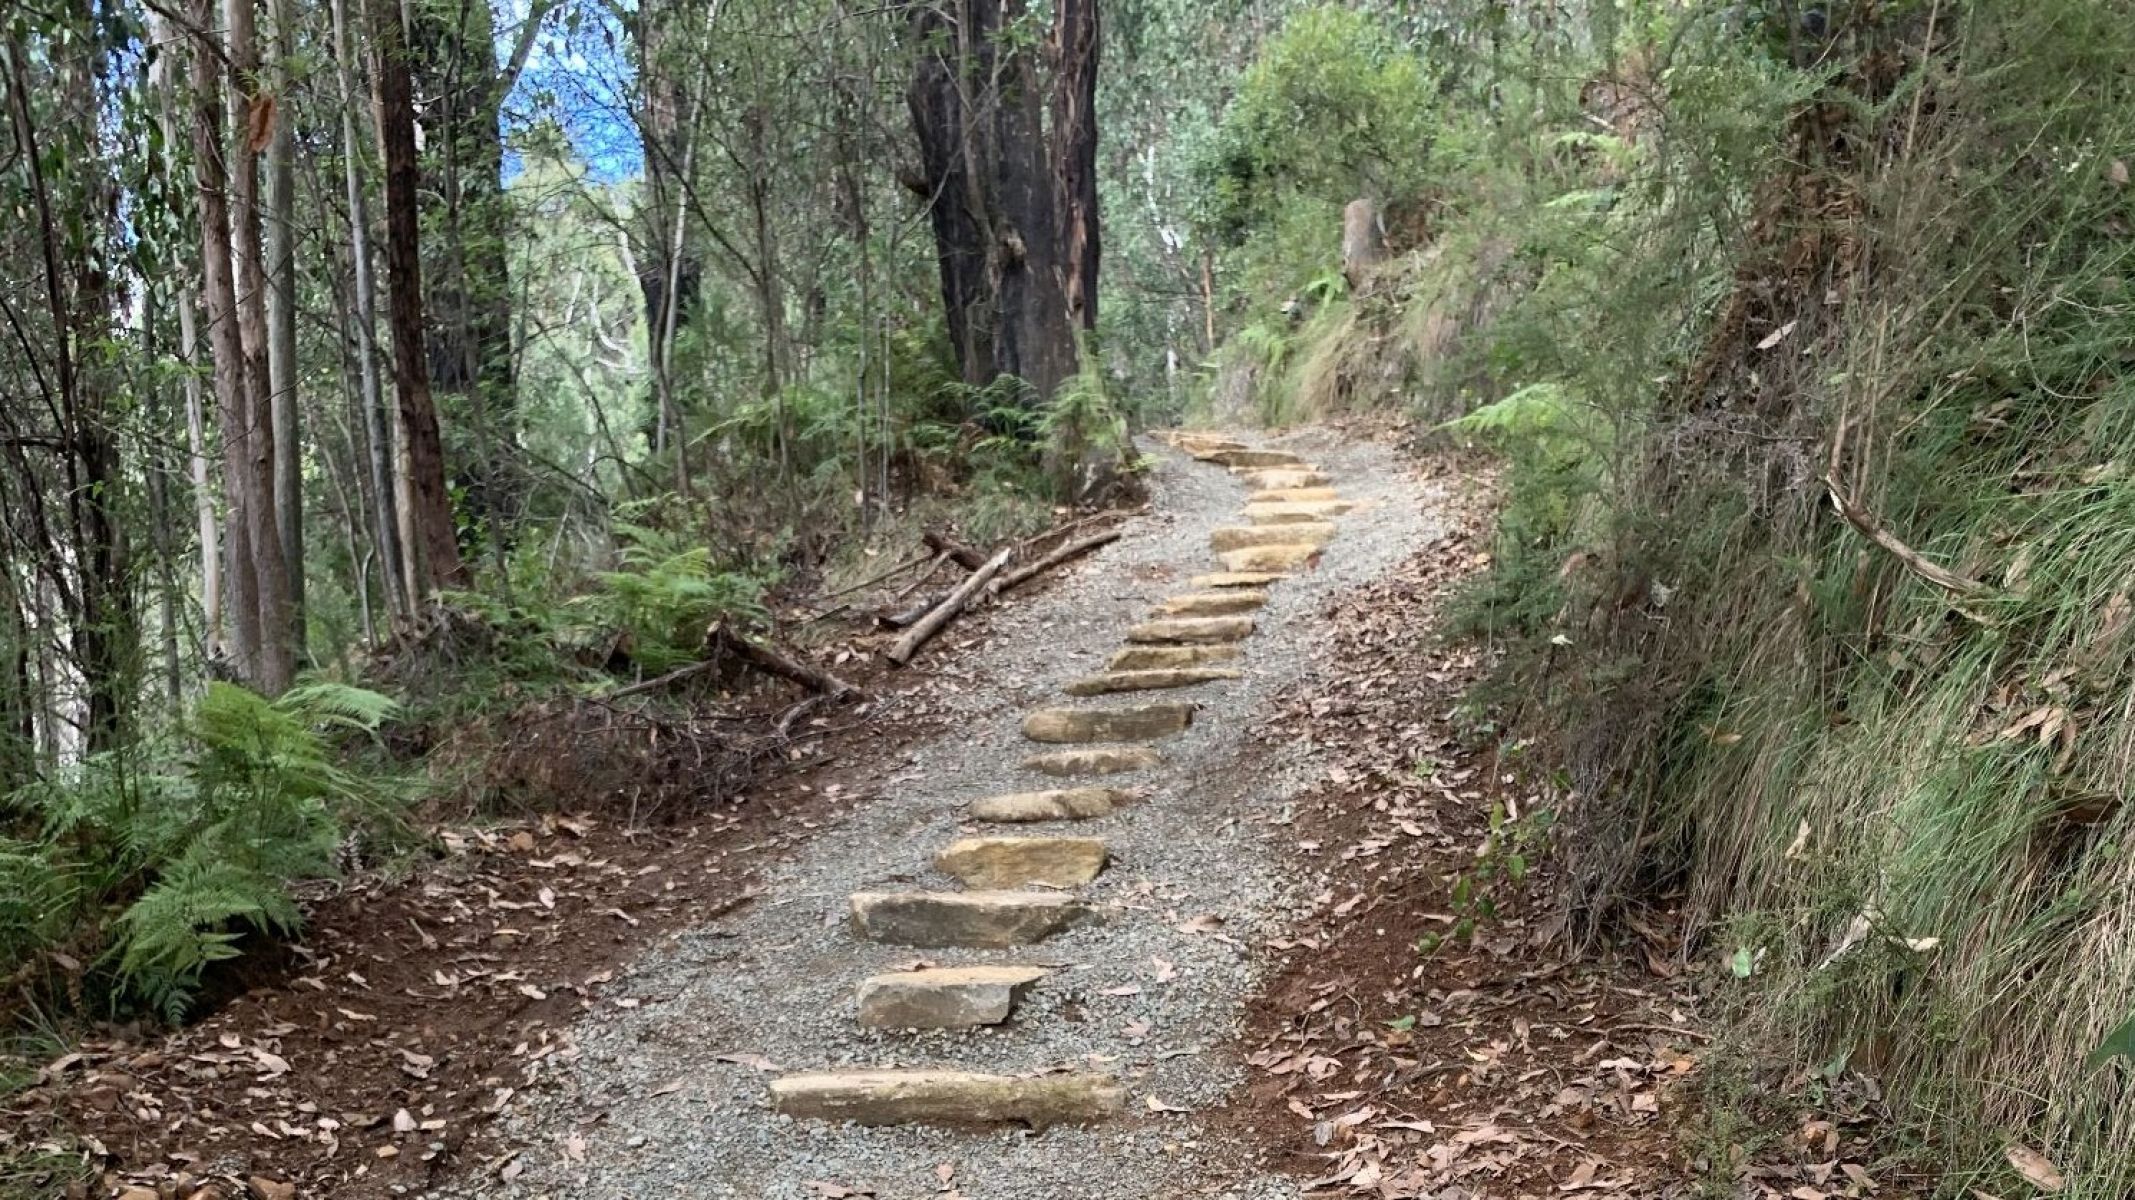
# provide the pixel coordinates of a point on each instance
(776, 662)
(1060, 554)
(946, 611)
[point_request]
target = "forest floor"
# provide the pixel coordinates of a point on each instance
(573, 1009)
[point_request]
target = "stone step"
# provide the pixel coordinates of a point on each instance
(1296, 495)
(948, 1097)
(945, 997)
(1192, 629)
(1141, 723)
(1256, 459)
(1241, 537)
(1276, 478)
(1154, 679)
(1097, 760)
(1063, 804)
(1213, 604)
(1295, 557)
(1301, 513)
(1171, 658)
(983, 920)
(1238, 579)
(1013, 862)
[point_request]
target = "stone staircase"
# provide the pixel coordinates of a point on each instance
(1019, 890)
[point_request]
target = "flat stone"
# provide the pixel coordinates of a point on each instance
(1295, 495)
(1098, 760)
(1214, 604)
(1299, 513)
(1240, 537)
(1171, 658)
(1155, 679)
(1284, 477)
(1193, 629)
(947, 1097)
(1010, 862)
(1138, 724)
(945, 997)
(1256, 458)
(987, 920)
(1065, 804)
(1239, 579)
(1295, 557)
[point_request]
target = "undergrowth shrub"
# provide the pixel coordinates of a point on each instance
(159, 867)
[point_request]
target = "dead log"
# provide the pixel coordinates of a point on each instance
(1060, 554)
(946, 611)
(773, 661)
(966, 557)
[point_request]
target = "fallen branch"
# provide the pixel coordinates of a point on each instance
(966, 557)
(776, 662)
(660, 681)
(1060, 554)
(903, 618)
(946, 611)
(1865, 523)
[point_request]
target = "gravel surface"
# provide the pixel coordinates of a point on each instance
(655, 1102)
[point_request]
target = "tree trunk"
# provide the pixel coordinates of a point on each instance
(453, 70)
(435, 551)
(78, 305)
(282, 322)
(218, 295)
(273, 664)
(992, 196)
(1076, 37)
(377, 424)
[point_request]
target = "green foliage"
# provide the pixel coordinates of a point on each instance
(1334, 107)
(169, 866)
(666, 595)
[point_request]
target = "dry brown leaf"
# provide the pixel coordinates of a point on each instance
(2035, 1167)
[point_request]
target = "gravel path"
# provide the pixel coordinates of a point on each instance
(662, 1099)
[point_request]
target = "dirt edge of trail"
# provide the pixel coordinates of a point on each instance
(1426, 1030)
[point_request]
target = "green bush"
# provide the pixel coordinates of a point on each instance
(161, 869)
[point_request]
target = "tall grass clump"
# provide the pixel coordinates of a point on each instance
(1832, 621)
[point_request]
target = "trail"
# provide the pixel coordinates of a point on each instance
(1138, 1015)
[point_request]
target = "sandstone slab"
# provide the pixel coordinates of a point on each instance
(1013, 862)
(1141, 723)
(1065, 804)
(1154, 679)
(1255, 459)
(947, 1098)
(945, 997)
(1295, 513)
(1099, 760)
(1192, 629)
(1295, 495)
(1238, 579)
(1171, 658)
(1241, 537)
(987, 920)
(1285, 477)
(1294, 557)
(1214, 604)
